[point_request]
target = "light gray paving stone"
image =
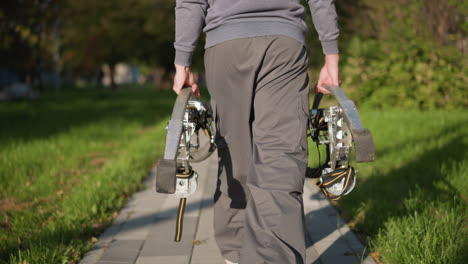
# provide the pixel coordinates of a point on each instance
(338, 245)
(205, 249)
(312, 256)
(333, 235)
(95, 254)
(338, 221)
(318, 225)
(160, 241)
(332, 240)
(352, 240)
(311, 224)
(136, 227)
(147, 203)
(193, 206)
(164, 260)
(338, 259)
(112, 262)
(169, 209)
(336, 252)
(123, 251)
(92, 256)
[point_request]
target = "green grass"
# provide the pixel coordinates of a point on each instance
(68, 162)
(411, 203)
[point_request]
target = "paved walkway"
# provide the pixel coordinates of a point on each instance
(143, 232)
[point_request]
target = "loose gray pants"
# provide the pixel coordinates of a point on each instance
(260, 97)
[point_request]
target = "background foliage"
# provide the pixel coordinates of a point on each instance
(405, 53)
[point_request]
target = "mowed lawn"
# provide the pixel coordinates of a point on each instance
(69, 161)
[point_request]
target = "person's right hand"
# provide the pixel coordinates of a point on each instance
(184, 77)
(329, 74)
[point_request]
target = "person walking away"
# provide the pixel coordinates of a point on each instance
(256, 72)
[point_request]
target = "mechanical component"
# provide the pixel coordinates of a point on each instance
(199, 117)
(174, 175)
(186, 184)
(338, 127)
(183, 144)
(337, 183)
(335, 134)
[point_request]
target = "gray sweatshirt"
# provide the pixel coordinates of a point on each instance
(224, 20)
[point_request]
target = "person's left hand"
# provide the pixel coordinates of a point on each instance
(184, 77)
(329, 75)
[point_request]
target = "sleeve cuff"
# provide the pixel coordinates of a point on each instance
(183, 58)
(330, 47)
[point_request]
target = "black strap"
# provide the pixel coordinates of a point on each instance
(183, 174)
(317, 99)
(331, 178)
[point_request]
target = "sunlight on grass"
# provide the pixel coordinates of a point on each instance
(68, 162)
(410, 204)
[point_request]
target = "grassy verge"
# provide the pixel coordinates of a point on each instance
(411, 203)
(68, 162)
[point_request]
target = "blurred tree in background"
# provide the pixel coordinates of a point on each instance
(78, 37)
(405, 53)
(137, 31)
(24, 28)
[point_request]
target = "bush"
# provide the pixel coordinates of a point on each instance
(407, 75)
(404, 53)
